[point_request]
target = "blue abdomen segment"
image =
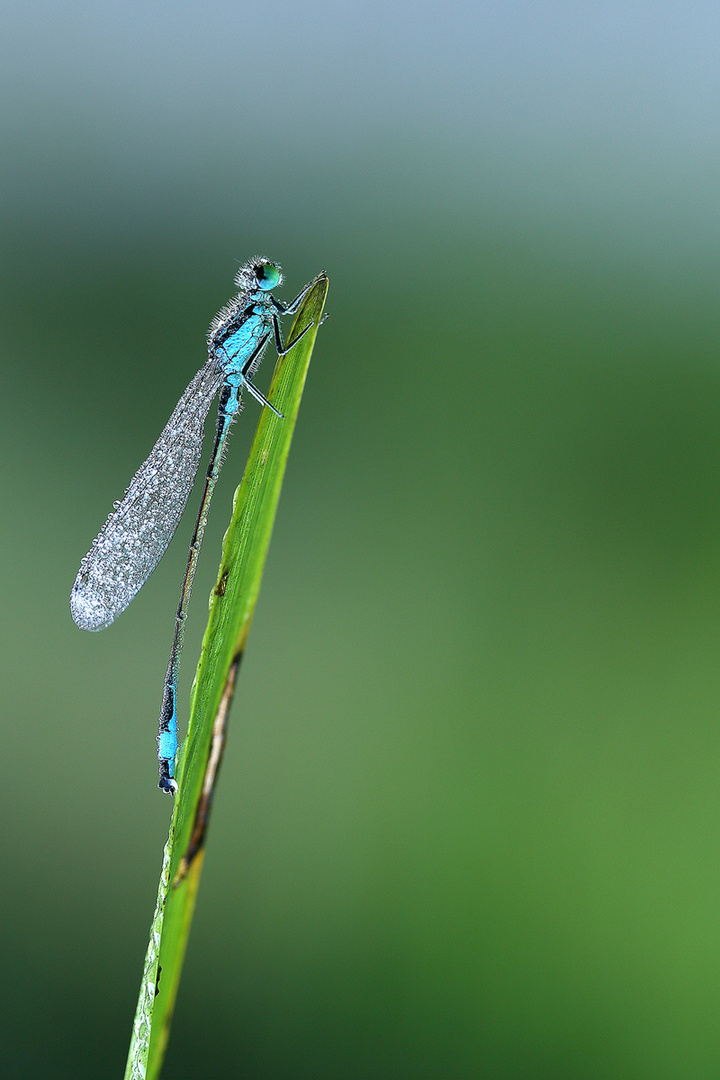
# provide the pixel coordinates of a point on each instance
(167, 749)
(167, 735)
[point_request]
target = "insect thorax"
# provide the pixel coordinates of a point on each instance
(242, 311)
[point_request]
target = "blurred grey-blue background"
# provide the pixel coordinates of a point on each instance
(469, 819)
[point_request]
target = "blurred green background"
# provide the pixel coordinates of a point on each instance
(469, 818)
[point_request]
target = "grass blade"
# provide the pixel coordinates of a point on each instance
(233, 603)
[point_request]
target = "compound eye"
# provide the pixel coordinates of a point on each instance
(267, 275)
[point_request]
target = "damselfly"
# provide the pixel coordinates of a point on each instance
(138, 531)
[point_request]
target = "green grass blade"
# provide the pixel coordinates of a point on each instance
(233, 603)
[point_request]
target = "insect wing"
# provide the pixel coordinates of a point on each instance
(138, 531)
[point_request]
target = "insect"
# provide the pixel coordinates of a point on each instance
(136, 534)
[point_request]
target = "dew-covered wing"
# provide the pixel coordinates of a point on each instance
(135, 536)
